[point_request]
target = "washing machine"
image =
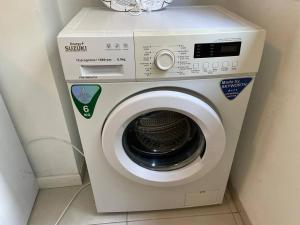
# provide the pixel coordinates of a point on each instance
(159, 101)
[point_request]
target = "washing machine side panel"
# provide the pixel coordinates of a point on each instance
(114, 192)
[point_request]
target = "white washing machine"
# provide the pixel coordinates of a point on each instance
(159, 100)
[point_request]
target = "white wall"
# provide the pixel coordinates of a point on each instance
(266, 168)
(18, 187)
(28, 86)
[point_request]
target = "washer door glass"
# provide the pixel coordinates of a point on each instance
(163, 140)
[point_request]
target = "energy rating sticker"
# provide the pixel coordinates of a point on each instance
(233, 87)
(85, 97)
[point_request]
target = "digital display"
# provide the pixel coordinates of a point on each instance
(224, 49)
(228, 49)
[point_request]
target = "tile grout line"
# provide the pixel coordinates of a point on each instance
(236, 222)
(177, 217)
(241, 219)
(109, 223)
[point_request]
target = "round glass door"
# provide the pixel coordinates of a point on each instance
(163, 140)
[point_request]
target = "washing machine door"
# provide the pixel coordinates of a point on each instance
(163, 138)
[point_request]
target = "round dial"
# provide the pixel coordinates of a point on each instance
(164, 59)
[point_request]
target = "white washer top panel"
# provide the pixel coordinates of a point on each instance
(206, 18)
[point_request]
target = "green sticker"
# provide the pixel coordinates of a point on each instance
(85, 97)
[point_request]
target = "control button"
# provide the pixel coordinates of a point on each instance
(215, 65)
(164, 59)
(196, 66)
(206, 65)
(235, 64)
(225, 64)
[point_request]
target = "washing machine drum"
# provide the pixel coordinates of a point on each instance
(163, 138)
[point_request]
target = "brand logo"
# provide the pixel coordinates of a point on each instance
(76, 47)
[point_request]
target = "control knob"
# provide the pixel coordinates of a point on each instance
(164, 59)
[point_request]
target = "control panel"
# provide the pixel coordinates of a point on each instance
(157, 55)
(178, 60)
(165, 56)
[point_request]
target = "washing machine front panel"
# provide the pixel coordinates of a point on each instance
(163, 138)
(115, 191)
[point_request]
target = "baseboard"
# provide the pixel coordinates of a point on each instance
(239, 205)
(59, 181)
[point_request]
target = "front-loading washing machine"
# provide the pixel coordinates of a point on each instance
(159, 101)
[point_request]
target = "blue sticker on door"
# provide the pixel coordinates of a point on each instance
(233, 87)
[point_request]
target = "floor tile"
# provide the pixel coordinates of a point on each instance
(198, 211)
(238, 219)
(122, 223)
(222, 219)
(51, 202)
(83, 212)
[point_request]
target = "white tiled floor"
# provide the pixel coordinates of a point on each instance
(51, 202)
